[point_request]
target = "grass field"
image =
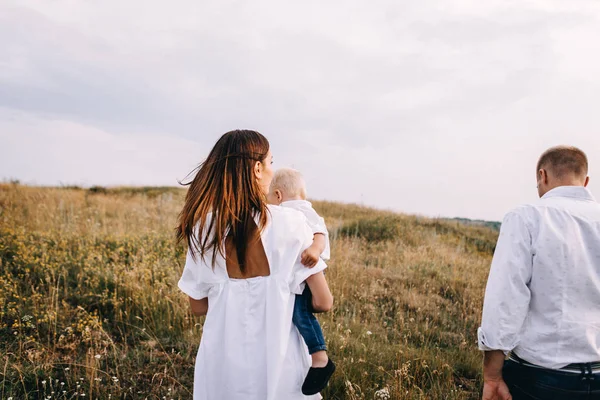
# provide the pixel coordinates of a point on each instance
(90, 306)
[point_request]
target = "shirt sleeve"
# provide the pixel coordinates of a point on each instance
(315, 221)
(191, 282)
(317, 225)
(507, 294)
(300, 272)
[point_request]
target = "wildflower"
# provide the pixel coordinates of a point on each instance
(98, 356)
(369, 333)
(382, 394)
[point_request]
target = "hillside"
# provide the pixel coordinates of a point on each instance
(90, 303)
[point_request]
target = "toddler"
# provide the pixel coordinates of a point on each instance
(289, 190)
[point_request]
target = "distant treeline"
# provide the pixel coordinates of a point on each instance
(478, 222)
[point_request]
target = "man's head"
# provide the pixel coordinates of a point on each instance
(561, 166)
(287, 184)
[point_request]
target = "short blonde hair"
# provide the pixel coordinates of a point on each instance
(290, 182)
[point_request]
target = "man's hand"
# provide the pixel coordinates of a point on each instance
(495, 390)
(310, 256)
(494, 387)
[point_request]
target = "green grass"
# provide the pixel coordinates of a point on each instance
(89, 302)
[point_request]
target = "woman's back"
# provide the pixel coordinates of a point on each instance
(250, 348)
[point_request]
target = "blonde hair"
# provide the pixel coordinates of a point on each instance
(290, 182)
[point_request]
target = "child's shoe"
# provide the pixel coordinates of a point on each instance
(317, 379)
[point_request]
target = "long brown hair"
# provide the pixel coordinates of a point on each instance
(225, 185)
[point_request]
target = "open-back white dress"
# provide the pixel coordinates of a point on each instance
(249, 349)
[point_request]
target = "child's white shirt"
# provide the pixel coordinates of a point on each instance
(315, 221)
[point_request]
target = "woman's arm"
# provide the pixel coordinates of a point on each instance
(322, 298)
(199, 307)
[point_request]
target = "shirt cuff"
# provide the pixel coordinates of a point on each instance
(481, 342)
(485, 345)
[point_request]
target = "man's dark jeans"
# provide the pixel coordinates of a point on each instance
(531, 383)
(307, 323)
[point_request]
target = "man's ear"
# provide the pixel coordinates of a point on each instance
(278, 196)
(587, 181)
(543, 176)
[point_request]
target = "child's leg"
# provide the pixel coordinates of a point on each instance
(322, 367)
(310, 329)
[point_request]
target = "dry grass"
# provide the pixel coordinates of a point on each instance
(90, 306)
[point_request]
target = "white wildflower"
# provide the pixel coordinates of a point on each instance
(382, 394)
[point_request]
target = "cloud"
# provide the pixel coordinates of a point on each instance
(423, 107)
(53, 151)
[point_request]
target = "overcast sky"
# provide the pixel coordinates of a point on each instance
(437, 107)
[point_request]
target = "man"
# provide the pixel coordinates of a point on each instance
(542, 301)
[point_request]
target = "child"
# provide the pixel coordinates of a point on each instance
(289, 190)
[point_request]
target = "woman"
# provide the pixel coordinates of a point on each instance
(242, 271)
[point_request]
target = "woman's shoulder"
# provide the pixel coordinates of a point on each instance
(206, 222)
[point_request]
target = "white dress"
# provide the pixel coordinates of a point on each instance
(250, 349)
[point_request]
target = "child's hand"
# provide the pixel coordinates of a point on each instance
(310, 257)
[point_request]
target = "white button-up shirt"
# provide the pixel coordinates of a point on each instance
(543, 293)
(315, 221)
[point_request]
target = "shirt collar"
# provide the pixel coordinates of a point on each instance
(297, 202)
(576, 192)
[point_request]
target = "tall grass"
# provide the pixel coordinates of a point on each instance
(90, 306)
